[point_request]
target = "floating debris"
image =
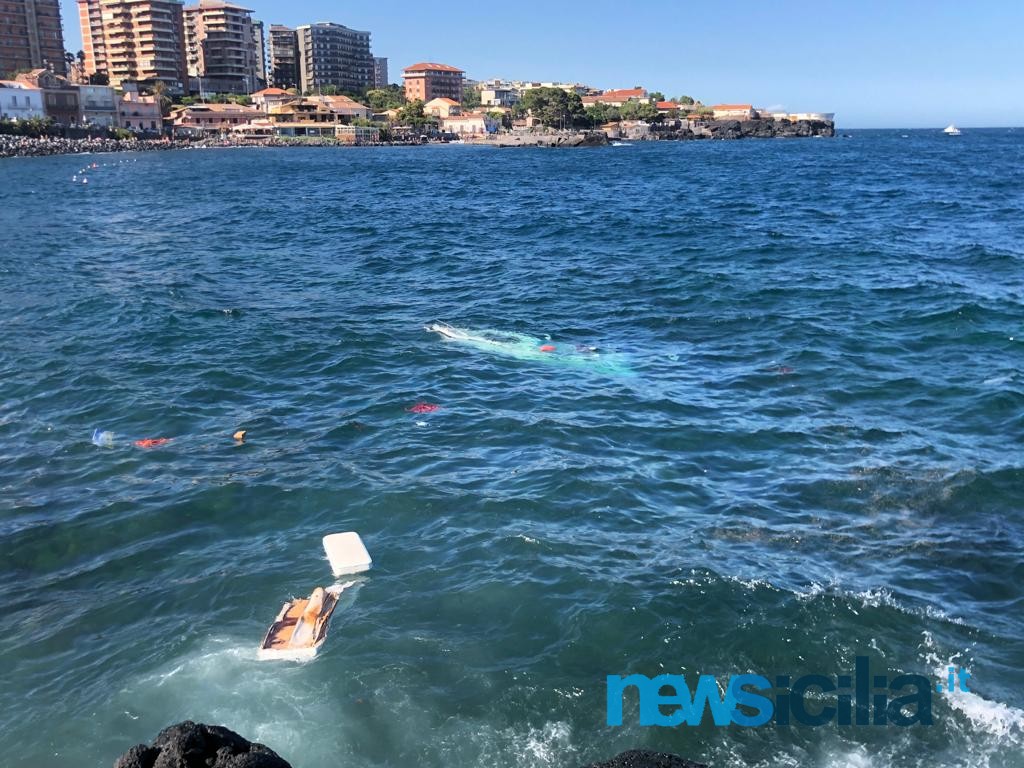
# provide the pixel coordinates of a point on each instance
(423, 408)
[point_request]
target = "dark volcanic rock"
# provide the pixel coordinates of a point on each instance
(193, 745)
(745, 129)
(642, 758)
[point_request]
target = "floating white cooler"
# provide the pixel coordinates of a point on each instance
(301, 625)
(346, 553)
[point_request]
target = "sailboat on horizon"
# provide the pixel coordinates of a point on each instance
(951, 130)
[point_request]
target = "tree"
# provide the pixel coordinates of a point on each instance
(391, 97)
(554, 107)
(329, 90)
(630, 110)
(657, 96)
(599, 114)
(649, 113)
(685, 100)
(470, 97)
(501, 118)
(412, 114)
(98, 78)
(159, 89)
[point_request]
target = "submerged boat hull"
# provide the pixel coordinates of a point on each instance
(298, 631)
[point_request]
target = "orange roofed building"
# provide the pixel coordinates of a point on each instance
(427, 81)
(270, 97)
(616, 98)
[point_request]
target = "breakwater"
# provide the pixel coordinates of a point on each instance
(27, 146)
(30, 146)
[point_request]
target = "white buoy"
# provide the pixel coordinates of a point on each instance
(346, 553)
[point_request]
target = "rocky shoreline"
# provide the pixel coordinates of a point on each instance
(44, 146)
(546, 139)
(26, 146)
(679, 130)
(750, 129)
(194, 745)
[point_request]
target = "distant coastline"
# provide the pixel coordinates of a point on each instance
(45, 146)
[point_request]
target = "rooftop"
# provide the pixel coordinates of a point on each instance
(17, 84)
(212, 5)
(217, 108)
(429, 66)
(625, 94)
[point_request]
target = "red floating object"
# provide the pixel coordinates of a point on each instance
(152, 442)
(423, 408)
(547, 347)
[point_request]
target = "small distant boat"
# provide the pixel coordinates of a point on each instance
(951, 130)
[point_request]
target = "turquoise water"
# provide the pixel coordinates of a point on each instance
(808, 448)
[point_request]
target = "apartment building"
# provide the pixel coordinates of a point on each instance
(333, 55)
(380, 72)
(427, 81)
(259, 40)
(30, 36)
(283, 70)
(220, 47)
(135, 40)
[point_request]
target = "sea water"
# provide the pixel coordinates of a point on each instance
(816, 455)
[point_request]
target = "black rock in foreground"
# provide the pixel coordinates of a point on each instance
(642, 758)
(194, 745)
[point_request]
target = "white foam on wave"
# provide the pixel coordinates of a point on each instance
(223, 683)
(329, 712)
(993, 717)
(876, 597)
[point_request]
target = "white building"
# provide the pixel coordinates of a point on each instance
(828, 117)
(20, 101)
(472, 124)
(734, 111)
(99, 105)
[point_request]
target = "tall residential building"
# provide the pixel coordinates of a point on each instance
(380, 72)
(30, 36)
(330, 54)
(260, 41)
(220, 47)
(283, 71)
(134, 41)
(427, 81)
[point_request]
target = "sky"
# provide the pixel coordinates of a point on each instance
(896, 64)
